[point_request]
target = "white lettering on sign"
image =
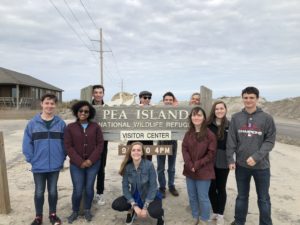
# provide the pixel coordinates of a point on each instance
(145, 135)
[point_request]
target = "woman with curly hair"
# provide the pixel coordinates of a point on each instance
(84, 143)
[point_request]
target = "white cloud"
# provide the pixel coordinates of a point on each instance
(158, 45)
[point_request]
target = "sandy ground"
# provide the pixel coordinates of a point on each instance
(285, 186)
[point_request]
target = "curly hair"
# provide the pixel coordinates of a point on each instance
(76, 107)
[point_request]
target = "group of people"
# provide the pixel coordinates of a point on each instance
(211, 147)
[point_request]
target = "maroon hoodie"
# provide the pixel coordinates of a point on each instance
(83, 144)
(199, 155)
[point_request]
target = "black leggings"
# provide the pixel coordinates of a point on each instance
(155, 209)
(101, 172)
(217, 191)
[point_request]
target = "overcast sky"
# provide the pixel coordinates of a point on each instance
(167, 45)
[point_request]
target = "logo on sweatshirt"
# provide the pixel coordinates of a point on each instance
(250, 130)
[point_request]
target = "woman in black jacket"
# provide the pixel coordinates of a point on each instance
(219, 124)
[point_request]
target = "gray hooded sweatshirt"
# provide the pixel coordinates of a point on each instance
(251, 135)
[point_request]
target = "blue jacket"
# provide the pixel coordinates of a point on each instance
(144, 179)
(44, 148)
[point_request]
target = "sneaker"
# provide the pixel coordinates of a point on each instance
(213, 216)
(202, 222)
(99, 199)
(220, 220)
(173, 191)
(130, 218)
(73, 217)
(196, 222)
(87, 215)
(37, 221)
(54, 219)
(160, 221)
(163, 192)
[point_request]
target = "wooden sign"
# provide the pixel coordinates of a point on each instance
(152, 122)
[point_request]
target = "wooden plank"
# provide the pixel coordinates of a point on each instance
(4, 191)
(150, 149)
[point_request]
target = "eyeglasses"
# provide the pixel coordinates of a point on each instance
(146, 97)
(84, 111)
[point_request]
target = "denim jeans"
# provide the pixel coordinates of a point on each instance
(40, 180)
(161, 160)
(198, 197)
(83, 180)
(262, 183)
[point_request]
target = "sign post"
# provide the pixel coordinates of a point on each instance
(4, 191)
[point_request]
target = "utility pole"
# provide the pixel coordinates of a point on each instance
(101, 56)
(122, 88)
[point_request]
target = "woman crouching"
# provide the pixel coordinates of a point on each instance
(139, 184)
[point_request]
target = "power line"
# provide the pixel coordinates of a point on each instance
(92, 20)
(70, 26)
(77, 20)
(87, 12)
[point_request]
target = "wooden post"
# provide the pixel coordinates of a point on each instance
(206, 99)
(4, 192)
(86, 93)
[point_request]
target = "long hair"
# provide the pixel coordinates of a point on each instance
(128, 158)
(212, 118)
(200, 136)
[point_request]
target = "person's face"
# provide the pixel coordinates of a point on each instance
(48, 106)
(145, 100)
(220, 111)
(195, 100)
(249, 100)
(168, 100)
(197, 119)
(98, 94)
(136, 152)
(83, 113)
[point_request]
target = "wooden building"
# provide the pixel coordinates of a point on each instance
(21, 90)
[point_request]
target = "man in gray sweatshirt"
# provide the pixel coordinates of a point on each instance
(251, 137)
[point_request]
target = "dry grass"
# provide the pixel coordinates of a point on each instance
(14, 114)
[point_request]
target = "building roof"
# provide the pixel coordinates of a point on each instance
(13, 77)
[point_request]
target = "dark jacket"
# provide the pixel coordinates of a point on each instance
(199, 155)
(43, 147)
(83, 144)
(221, 158)
(251, 135)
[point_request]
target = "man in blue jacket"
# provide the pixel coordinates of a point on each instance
(43, 149)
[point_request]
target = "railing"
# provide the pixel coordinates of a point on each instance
(7, 101)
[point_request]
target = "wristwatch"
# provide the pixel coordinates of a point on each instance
(133, 204)
(146, 205)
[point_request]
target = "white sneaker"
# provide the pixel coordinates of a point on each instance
(213, 216)
(202, 222)
(99, 199)
(220, 220)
